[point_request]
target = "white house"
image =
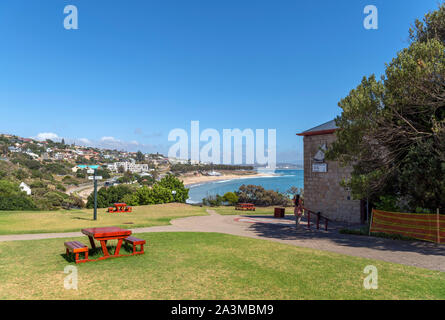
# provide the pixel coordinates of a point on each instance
(25, 188)
(128, 166)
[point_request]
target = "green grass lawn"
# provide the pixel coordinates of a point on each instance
(258, 211)
(17, 222)
(207, 266)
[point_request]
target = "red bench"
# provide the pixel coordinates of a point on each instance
(245, 207)
(136, 242)
(77, 247)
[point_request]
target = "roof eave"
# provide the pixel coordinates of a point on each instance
(316, 133)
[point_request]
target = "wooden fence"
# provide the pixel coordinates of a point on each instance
(428, 227)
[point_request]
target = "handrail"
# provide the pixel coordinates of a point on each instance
(319, 215)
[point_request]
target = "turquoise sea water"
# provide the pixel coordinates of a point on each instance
(283, 180)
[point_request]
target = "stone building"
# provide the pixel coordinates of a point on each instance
(322, 190)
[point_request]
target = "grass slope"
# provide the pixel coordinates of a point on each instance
(18, 222)
(207, 266)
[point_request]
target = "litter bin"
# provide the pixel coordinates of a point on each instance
(279, 212)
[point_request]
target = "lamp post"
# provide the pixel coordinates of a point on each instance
(174, 195)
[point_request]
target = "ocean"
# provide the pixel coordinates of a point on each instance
(282, 181)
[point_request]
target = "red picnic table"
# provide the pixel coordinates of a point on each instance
(103, 235)
(120, 207)
(245, 206)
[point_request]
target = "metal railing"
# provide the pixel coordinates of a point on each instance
(319, 217)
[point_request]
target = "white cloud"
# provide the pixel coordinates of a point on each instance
(106, 142)
(47, 135)
(84, 141)
(110, 139)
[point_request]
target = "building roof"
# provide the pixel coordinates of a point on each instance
(325, 128)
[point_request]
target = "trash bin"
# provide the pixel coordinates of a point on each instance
(279, 212)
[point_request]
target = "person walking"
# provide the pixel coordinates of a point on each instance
(298, 210)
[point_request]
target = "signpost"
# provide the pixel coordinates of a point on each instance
(94, 177)
(95, 194)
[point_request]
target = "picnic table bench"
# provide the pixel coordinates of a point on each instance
(77, 247)
(245, 207)
(134, 242)
(103, 235)
(120, 207)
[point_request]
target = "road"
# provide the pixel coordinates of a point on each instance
(84, 190)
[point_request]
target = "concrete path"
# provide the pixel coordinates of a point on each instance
(412, 253)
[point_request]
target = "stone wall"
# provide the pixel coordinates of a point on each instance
(322, 191)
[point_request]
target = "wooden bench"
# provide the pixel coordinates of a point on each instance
(77, 247)
(245, 207)
(135, 242)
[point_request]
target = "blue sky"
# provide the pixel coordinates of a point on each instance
(134, 70)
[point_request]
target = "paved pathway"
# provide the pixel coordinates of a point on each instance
(413, 253)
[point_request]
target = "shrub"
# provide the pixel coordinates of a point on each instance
(108, 196)
(231, 198)
(12, 198)
(171, 183)
(60, 187)
(81, 174)
(21, 174)
(387, 203)
(131, 199)
(261, 197)
(213, 201)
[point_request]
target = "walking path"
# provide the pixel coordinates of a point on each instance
(412, 253)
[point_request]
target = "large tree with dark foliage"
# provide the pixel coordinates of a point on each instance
(393, 130)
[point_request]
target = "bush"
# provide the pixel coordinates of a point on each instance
(161, 192)
(261, 197)
(60, 187)
(231, 198)
(387, 203)
(12, 198)
(213, 201)
(81, 174)
(131, 199)
(38, 185)
(171, 183)
(108, 196)
(21, 174)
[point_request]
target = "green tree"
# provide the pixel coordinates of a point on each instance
(108, 196)
(431, 27)
(392, 131)
(231, 198)
(172, 183)
(140, 156)
(12, 198)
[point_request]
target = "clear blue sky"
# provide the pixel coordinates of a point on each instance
(134, 70)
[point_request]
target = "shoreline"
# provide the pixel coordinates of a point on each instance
(194, 180)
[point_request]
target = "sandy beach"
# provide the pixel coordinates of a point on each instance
(196, 179)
